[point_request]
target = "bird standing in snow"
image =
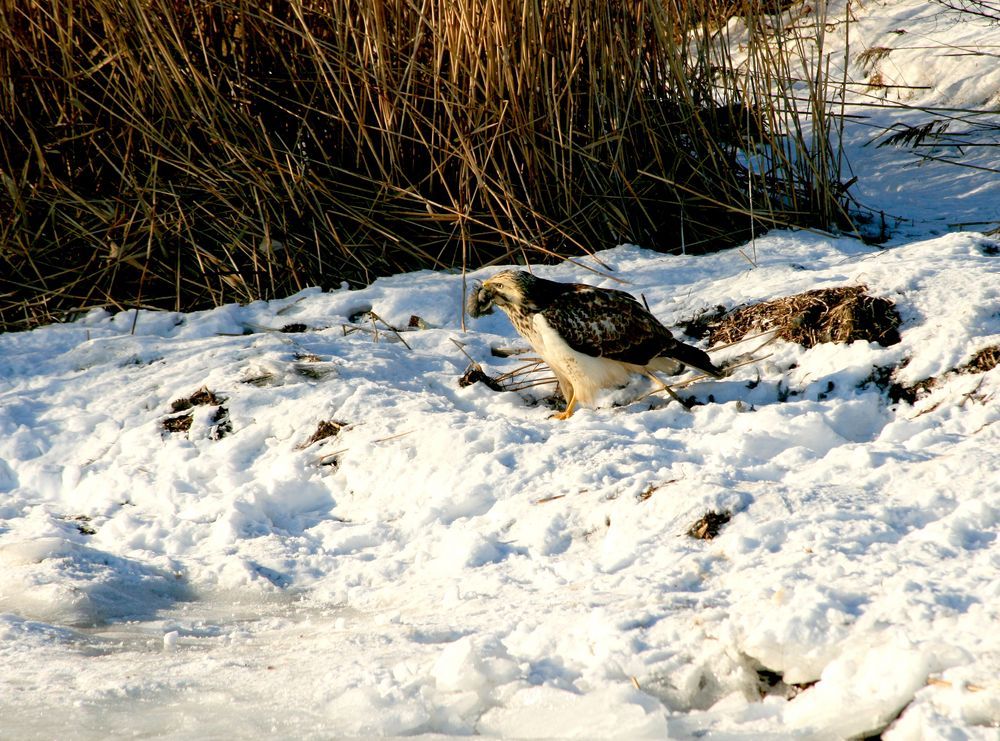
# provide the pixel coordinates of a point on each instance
(592, 338)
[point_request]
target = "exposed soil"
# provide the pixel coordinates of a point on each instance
(709, 524)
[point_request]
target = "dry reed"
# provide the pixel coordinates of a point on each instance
(186, 153)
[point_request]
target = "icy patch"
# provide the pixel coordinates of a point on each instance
(547, 712)
(56, 581)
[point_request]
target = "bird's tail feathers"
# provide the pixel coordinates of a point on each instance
(688, 355)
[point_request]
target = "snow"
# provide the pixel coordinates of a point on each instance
(909, 63)
(470, 565)
(454, 562)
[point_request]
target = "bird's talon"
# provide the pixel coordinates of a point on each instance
(568, 411)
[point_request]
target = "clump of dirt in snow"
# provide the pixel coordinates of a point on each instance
(709, 524)
(772, 683)
(475, 374)
(702, 325)
(985, 360)
(221, 424)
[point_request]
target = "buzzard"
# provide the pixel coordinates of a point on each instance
(592, 338)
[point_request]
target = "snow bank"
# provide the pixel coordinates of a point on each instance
(452, 561)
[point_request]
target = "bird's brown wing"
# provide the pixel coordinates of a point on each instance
(606, 323)
(602, 322)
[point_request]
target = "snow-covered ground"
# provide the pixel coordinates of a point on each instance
(912, 64)
(452, 561)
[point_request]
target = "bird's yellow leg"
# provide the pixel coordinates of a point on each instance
(569, 408)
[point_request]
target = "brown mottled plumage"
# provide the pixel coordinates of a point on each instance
(592, 338)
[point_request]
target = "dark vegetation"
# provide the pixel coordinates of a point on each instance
(221, 423)
(201, 397)
(983, 361)
(708, 525)
(186, 153)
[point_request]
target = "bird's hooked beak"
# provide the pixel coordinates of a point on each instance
(481, 300)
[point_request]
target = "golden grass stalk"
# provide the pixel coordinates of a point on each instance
(187, 153)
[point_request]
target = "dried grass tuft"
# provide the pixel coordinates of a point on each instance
(324, 430)
(985, 360)
(843, 314)
(180, 423)
(201, 397)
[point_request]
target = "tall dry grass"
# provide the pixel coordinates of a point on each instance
(186, 153)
